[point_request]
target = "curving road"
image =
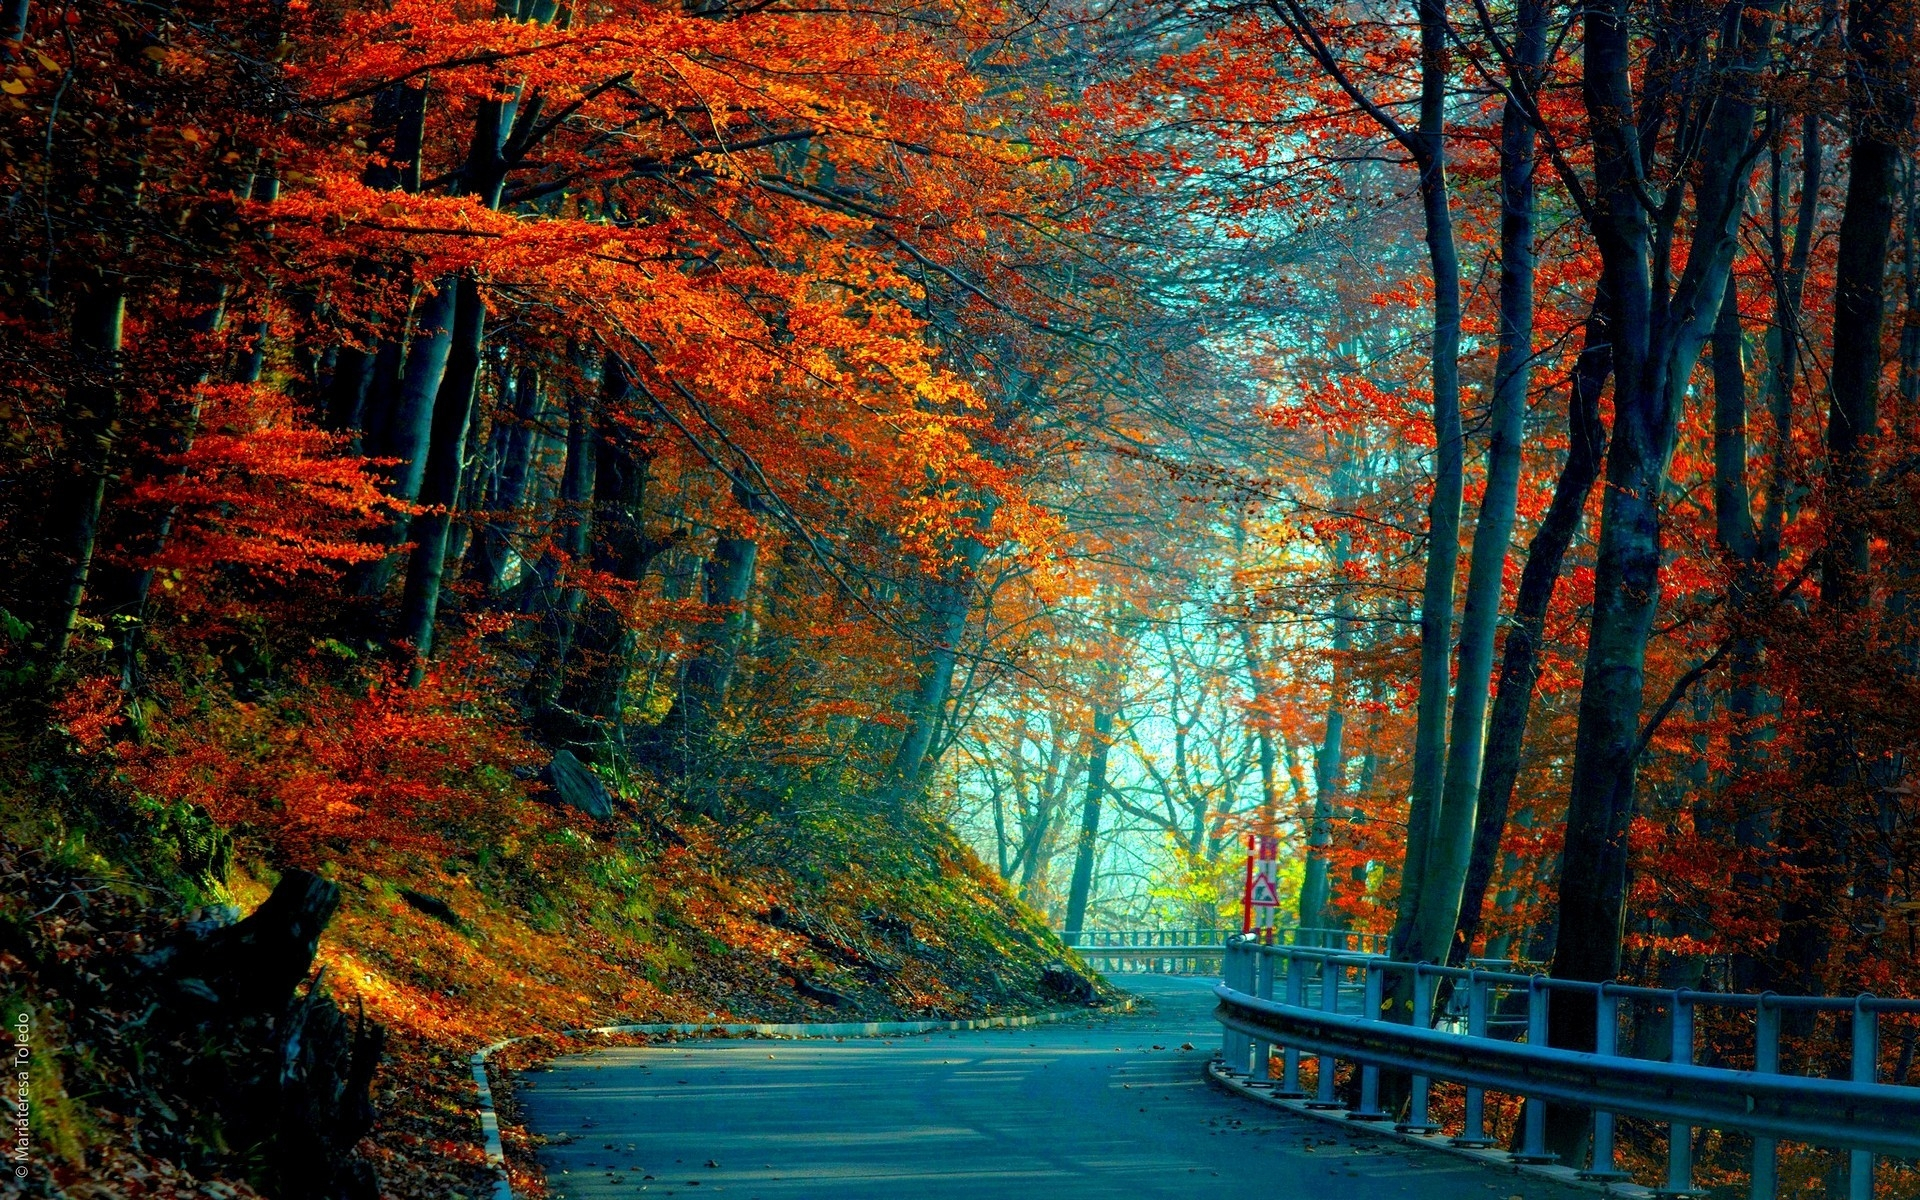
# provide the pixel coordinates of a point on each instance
(1110, 1108)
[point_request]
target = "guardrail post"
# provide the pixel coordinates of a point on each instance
(1680, 1137)
(1766, 1059)
(1330, 971)
(1866, 1069)
(1423, 985)
(1473, 1132)
(1229, 969)
(1263, 988)
(1533, 1138)
(1606, 1039)
(1290, 1057)
(1373, 995)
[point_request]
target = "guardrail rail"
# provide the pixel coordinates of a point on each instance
(1333, 1006)
(1194, 951)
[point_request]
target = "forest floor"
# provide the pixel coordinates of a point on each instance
(541, 921)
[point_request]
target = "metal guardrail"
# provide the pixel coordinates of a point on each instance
(1858, 1114)
(1194, 951)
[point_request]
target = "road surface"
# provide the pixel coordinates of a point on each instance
(1108, 1108)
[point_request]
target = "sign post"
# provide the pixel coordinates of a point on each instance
(1260, 899)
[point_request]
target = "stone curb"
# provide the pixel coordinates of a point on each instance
(490, 1119)
(1217, 1075)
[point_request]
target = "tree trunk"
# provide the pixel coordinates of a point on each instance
(482, 177)
(363, 379)
(951, 604)
(1657, 336)
(574, 525)
(1443, 513)
(1441, 884)
(440, 488)
(1879, 113)
(1520, 659)
(515, 441)
(90, 426)
(407, 432)
(1082, 887)
(623, 551)
(1316, 884)
(709, 673)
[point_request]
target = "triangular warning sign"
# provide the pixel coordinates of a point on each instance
(1263, 894)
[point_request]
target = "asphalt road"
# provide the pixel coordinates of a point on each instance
(1109, 1108)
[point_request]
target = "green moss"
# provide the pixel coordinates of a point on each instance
(59, 1124)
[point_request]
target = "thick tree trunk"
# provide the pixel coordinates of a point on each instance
(1657, 336)
(1081, 889)
(407, 433)
(1441, 883)
(623, 550)
(1443, 513)
(440, 485)
(1879, 115)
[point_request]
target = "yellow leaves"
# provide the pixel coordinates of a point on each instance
(13, 87)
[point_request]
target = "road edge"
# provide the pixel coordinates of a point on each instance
(496, 1152)
(1217, 1075)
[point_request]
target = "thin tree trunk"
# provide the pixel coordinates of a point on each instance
(516, 439)
(1080, 891)
(1316, 884)
(624, 550)
(574, 525)
(1520, 658)
(947, 614)
(1443, 513)
(1910, 272)
(91, 424)
(1441, 883)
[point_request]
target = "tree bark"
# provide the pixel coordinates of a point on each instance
(1442, 882)
(1657, 331)
(1520, 658)
(407, 433)
(90, 428)
(623, 551)
(1329, 760)
(1081, 889)
(574, 525)
(1879, 113)
(482, 177)
(947, 613)
(515, 442)
(440, 486)
(1443, 512)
